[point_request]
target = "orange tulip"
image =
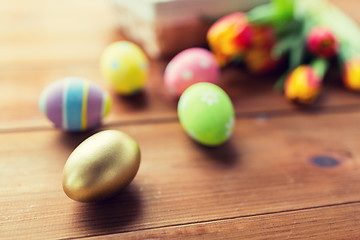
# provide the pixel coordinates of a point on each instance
(259, 57)
(229, 37)
(260, 60)
(262, 36)
(351, 77)
(303, 85)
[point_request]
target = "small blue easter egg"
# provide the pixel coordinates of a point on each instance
(74, 104)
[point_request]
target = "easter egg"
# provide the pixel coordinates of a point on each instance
(101, 166)
(206, 113)
(74, 104)
(190, 66)
(125, 66)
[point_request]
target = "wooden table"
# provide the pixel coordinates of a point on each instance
(285, 174)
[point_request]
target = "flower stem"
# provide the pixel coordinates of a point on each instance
(320, 66)
(280, 83)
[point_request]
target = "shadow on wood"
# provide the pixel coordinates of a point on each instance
(137, 101)
(225, 155)
(71, 140)
(111, 215)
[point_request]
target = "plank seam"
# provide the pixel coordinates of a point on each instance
(352, 108)
(222, 219)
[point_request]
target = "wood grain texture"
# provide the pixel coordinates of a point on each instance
(333, 222)
(285, 173)
(20, 91)
(52, 33)
(266, 167)
(38, 47)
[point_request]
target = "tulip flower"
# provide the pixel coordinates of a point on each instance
(259, 57)
(260, 60)
(351, 77)
(229, 37)
(304, 84)
(262, 36)
(321, 42)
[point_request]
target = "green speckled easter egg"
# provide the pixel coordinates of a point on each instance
(206, 113)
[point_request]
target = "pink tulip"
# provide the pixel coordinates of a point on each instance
(322, 43)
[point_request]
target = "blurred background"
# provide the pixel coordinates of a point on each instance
(48, 30)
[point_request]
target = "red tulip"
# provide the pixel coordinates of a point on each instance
(322, 42)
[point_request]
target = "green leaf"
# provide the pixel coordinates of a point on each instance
(284, 45)
(295, 56)
(274, 13)
(320, 66)
(288, 28)
(326, 14)
(285, 8)
(262, 14)
(345, 52)
(297, 50)
(280, 83)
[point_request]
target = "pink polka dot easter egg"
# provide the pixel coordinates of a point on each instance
(74, 104)
(190, 66)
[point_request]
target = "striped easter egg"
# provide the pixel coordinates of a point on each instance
(74, 104)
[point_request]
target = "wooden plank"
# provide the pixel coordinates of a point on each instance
(270, 165)
(43, 32)
(19, 102)
(335, 222)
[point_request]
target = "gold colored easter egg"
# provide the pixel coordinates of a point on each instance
(101, 166)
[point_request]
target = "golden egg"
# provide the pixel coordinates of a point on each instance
(101, 166)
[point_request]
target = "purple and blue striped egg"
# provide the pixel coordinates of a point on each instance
(74, 104)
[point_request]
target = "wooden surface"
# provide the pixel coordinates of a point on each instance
(286, 173)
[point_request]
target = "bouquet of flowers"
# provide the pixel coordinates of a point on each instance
(308, 33)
